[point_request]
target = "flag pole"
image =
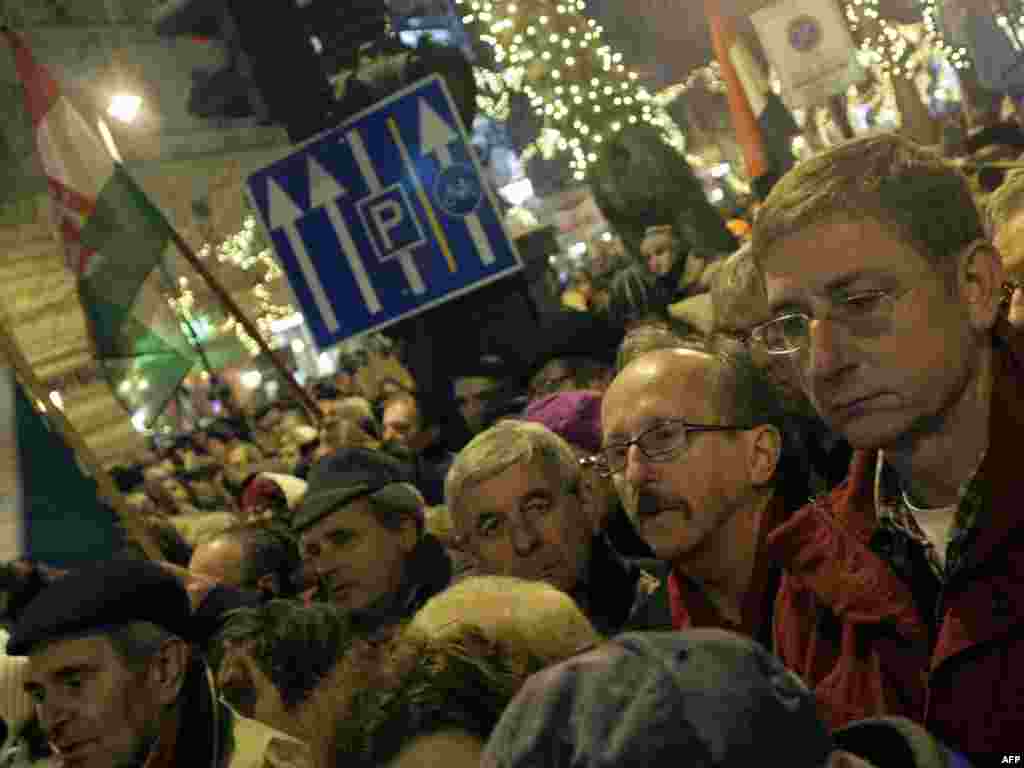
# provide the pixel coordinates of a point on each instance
(105, 483)
(247, 324)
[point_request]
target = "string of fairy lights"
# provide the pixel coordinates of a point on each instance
(955, 54)
(551, 52)
(581, 89)
(247, 252)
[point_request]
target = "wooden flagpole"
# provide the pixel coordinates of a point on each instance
(105, 483)
(247, 324)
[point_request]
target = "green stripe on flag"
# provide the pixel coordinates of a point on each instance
(139, 340)
(128, 234)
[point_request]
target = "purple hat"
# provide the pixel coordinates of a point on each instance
(702, 697)
(573, 416)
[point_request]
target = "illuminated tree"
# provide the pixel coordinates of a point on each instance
(579, 87)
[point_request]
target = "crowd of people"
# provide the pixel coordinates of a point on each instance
(776, 522)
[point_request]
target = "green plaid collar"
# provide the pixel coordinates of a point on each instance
(893, 513)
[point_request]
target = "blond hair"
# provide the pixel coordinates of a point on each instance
(531, 615)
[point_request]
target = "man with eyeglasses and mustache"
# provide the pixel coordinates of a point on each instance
(902, 593)
(694, 438)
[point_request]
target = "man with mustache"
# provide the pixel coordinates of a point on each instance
(902, 593)
(694, 440)
(117, 684)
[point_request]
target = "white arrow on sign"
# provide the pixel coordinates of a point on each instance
(435, 136)
(366, 167)
(324, 190)
(282, 214)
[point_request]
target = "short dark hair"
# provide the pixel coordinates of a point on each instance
(294, 645)
(743, 393)
(267, 548)
(634, 296)
(904, 187)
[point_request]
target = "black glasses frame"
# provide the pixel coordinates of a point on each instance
(603, 466)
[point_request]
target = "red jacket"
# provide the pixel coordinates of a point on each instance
(849, 626)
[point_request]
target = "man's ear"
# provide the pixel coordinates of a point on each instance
(408, 534)
(980, 283)
(168, 668)
(764, 450)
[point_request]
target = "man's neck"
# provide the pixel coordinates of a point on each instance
(725, 566)
(162, 753)
(935, 465)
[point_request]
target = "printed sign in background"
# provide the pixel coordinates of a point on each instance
(810, 47)
(384, 217)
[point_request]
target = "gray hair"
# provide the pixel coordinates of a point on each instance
(505, 445)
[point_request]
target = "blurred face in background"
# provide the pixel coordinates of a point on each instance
(1009, 240)
(659, 251)
(401, 421)
(472, 395)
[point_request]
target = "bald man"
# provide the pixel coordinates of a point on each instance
(693, 439)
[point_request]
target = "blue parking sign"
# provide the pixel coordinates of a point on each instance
(384, 217)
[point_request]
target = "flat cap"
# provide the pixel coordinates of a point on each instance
(101, 596)
(702, 697)
(351, 474)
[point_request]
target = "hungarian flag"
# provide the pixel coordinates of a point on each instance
(763, 125)
(40, 480)
(114, 240)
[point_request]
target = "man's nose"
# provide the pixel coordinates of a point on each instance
(53, 715)
(825, 349)
(524, 537)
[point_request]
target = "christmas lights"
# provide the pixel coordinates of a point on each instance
(246, 251)
(576, 83)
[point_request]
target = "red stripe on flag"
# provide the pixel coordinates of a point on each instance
(70, 199)
(41, 89)
(744, 121)
(76, 254)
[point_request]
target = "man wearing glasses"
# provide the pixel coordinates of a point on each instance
(739, 304)
(693, 439)
(903, 592)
